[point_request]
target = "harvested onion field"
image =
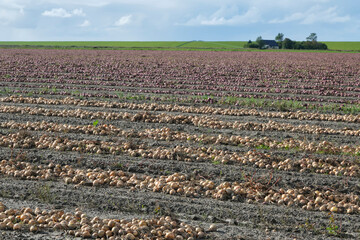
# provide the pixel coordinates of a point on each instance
(179, 145)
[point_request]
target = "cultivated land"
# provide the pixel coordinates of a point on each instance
(164, 45)
(179, 145)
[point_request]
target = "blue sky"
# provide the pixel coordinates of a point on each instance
(177, 20)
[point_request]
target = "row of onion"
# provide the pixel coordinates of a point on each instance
(184, 109)
(81, 225)
(181, 184)
(333, 166)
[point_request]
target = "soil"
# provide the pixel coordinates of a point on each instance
(234, 219)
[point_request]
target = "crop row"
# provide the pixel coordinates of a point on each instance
(179, 84)
(166, 134)
(330, 166)
(282, 105)
(193, 96)
(251, 190)
(183, 89)
(204, 121)
(252, 126)
(79, 224)
(184, 109)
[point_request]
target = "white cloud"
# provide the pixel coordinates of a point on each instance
(161, 4)
(9, 15)
(57, 12)
(78, 12)
(60, 12)
(313, 15)
(123, 20)
(86, 23)
(226, 17)
(10, 12)
(91, 3)
(177, 19)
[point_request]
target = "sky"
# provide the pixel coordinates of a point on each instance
(178, 20)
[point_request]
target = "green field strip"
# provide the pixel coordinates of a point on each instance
(184, 44)
(166, 45)
(347, 46)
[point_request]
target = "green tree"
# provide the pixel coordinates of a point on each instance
(312, 37)
(251, 44)
(260, 42)
(279, 37)
(288, 43)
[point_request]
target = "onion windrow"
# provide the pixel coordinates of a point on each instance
(184, 109)
(78, 224)
(23, 139)
(252, 190)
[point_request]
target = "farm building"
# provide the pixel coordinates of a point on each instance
(270, 44)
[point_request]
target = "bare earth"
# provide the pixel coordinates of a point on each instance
(234, 215)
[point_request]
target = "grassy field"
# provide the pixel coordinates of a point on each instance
(220, 44)
(110, 44)
(348, 46)
(160, 45)
(125, 44)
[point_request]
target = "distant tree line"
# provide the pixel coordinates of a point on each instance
(310, 43)
(259, 43)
